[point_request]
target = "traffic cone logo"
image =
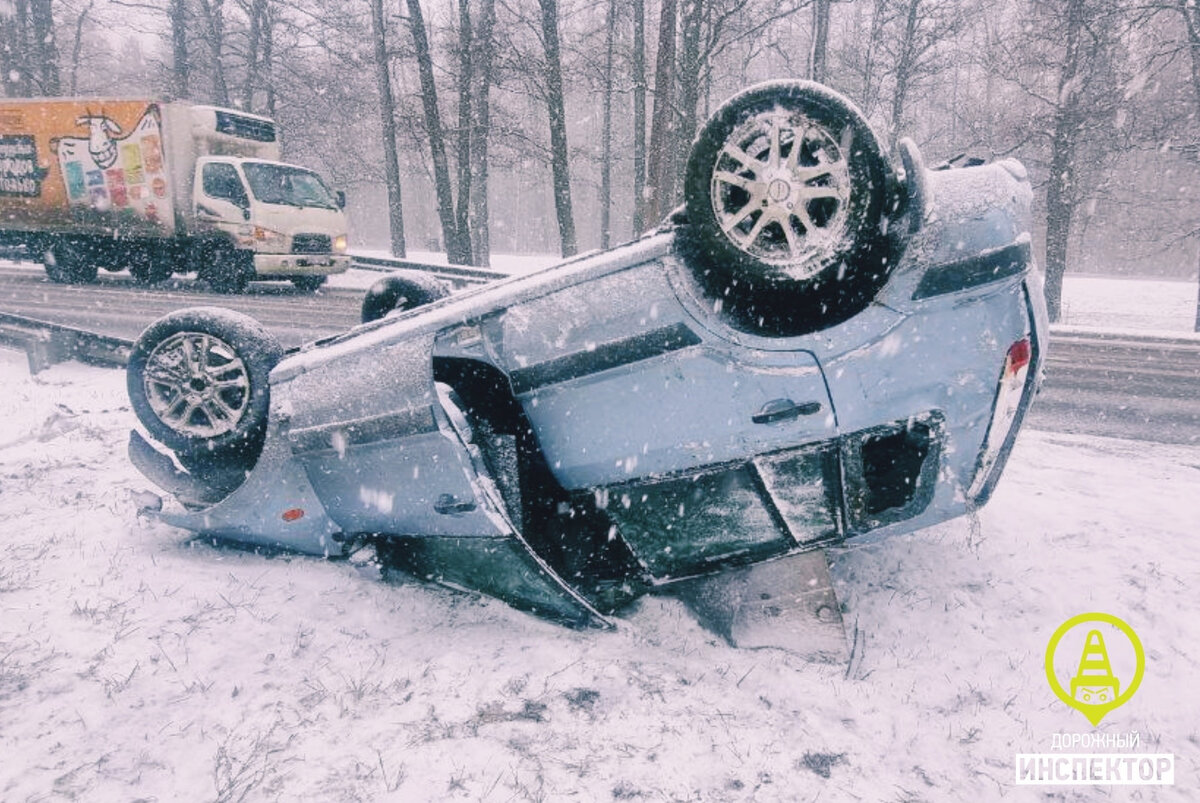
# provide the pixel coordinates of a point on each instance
(1094, 689)
(1094, 683)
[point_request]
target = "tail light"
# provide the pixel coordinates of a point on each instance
(1004, 412)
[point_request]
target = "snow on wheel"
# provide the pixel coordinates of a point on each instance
(786, 190)
(197, 379)
(400, 292)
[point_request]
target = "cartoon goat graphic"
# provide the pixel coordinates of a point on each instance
(101, 143)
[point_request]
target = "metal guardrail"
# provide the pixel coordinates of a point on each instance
(459, 274)
(48, 343)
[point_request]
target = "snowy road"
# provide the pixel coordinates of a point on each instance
(1116, 388)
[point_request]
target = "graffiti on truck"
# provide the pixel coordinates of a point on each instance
(112, 172)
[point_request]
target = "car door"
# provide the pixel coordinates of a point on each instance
(220, 198)
(620, 382)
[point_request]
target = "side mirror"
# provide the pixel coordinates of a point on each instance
(341, 199)
(246, 213)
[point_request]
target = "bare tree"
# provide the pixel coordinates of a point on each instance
(387, 114)
(659, 180)
(77, 45)
(177, 11)
(462, 212)
(610, 28)
(458, 247)
(1190, 13)
(259, 20)
(484, 50)
(213, 13)
(556, 105)
(818, 61)
(639, 116)
(45, 48)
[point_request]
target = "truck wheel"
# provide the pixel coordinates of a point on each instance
(400, 292)
(308, 284)
(68, 262)
(786, 191)
(223, 270)
(198, 381)
(146, 269)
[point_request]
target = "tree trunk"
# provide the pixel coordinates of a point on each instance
(904, 68)
(1191, 22)
(77, 46)
(558, 128)
(437, 143)
(639, 117)
(214, 25)
(1060, 186)
(690, 69)
(818, 66)
(15, 30)
(462, 215)
(45, 48)
(480, 131)
(387, 114)
(658, 193)
(257, 13)
(606, 133)
(180, 66)
(268, 54)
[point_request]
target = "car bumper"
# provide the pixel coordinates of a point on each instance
(300, 264)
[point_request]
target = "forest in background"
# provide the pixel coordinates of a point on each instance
(534, 126)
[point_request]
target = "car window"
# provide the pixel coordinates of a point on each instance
(221, 181)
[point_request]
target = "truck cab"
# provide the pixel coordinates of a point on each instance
(271, 220)
(262, 218)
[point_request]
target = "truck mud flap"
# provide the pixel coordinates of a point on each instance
(503, 567)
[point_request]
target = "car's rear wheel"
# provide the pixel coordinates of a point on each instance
(198, 381)
(787, 190)
(400, 293)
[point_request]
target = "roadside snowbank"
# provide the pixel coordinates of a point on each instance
(137, 663)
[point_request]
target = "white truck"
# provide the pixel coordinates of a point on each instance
(160, 188)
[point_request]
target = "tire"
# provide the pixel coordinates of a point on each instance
(198, 381)
(786, 190)
(224, 270)
(400, 293)
(309, 284)
(69, 262)
(148, 268)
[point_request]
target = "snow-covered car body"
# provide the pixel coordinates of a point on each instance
(568, 439)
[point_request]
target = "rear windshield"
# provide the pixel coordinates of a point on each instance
(281, 184)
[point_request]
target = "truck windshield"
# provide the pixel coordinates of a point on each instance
(281, 184)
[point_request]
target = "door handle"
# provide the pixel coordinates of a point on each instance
(449, 503)
(784, 410)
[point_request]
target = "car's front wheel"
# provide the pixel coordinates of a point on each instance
(787, 190)
(198, 381)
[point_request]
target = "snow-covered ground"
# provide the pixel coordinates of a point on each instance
(139, 663)
(1104, 302)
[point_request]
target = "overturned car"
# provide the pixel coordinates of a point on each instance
(820, 345)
